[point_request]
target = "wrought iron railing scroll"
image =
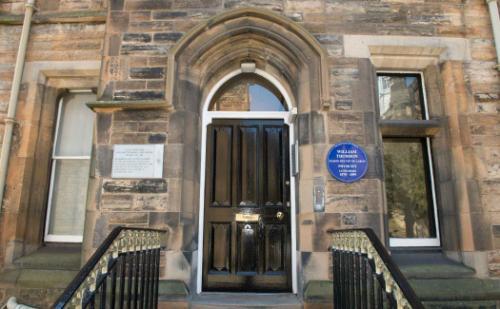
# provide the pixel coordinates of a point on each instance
(364, 274)
(123, 271)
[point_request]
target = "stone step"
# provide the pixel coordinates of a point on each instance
(66, 257)
(430, 271)
(463, 305)
(37, 278)
(245, 300)
(318, 292)
(456, 290)
(34, 287)
(172, 290)
(430, 265)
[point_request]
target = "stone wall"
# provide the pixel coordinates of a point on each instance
(139, 34)
(17, 6)
(481, 118)
(61, 55)
(139, 203)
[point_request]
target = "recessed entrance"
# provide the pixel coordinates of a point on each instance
(247, 229)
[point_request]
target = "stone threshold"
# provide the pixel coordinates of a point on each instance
(245, 300)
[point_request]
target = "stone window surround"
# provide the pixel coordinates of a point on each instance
(439, 59)
(44, 82)
(408, 59)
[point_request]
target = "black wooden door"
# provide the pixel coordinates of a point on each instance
(247, 207)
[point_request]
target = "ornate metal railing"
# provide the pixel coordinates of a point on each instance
(364, 275)
(123, 271)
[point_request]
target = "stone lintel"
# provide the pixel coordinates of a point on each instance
(86, 16)
(405, 128)
(404, 57)
(416, 51)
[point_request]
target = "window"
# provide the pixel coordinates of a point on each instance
(70, 168)
(400, 97)
(408, 170)
(248, 92)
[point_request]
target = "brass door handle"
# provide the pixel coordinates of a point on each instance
(280, 215)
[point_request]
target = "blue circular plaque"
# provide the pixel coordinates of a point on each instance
(347, 162)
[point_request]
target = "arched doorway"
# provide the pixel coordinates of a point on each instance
(247, 210)
(244, 40)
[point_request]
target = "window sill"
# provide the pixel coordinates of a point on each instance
(409, 128)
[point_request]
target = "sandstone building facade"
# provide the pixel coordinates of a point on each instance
(246, 99)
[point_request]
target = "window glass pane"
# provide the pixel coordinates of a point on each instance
(75, 125)
(262, 99)
(400, 97)
(407, 188)
(69, 191)
(248, 92)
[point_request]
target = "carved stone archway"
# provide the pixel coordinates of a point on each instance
(213, 49)
(275, 43)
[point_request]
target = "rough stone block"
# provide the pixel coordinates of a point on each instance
(136, 186)
(128, 218)
(169, 14)
(318, 128)
(167, 36)
(118, 21)
(137, 37)
(158, 138)
(117, 201)
(138, 95)
(104, 157)
(152, 202)
(147, 73)
(137, 5)
(135, 49)
(115, 5)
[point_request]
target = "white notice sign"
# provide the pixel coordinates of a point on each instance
(137, 161)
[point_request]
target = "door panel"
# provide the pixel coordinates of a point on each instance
(275, 235)
(221, 247)
(247, 242)
(248, 167)
(248, 247)
(273, 180)
(222, 175)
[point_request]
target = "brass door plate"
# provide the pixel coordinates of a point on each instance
(247, 217)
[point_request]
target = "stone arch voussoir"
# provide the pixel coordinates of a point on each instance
(273, 42)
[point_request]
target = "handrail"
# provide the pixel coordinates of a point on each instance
(135, 253)
(364, 272)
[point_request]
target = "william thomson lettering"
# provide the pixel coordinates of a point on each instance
(347, 162)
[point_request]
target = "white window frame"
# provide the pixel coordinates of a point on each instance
(52, 237)
(420, 242)
(207, 118)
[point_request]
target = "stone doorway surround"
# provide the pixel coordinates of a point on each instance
(281, 50)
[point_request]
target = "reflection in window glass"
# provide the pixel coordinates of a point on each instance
(75, 119)
(400, 96)
(262, 99)
(248, 92)
(407, 188)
